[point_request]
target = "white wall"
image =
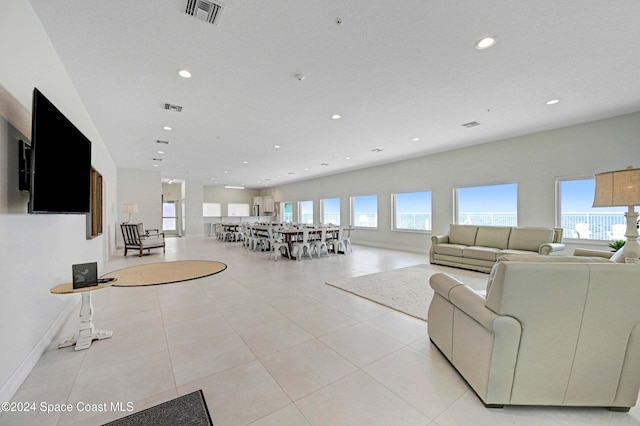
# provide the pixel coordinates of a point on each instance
(144, 188)
(534, 162)
(37, 251)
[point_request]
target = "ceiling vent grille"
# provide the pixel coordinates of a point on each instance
(170, 107)
(471, 124)
(204, 10)
(162, 142)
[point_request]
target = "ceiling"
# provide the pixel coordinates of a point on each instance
(404, 76)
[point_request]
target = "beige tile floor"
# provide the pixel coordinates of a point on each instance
(269, 344)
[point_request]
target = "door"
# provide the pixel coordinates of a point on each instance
(169, 218)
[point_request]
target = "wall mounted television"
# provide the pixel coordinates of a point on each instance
(60, 172)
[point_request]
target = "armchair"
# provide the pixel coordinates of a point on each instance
(135, 238)
(552, 330)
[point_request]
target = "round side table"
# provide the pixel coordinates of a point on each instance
(86, 333)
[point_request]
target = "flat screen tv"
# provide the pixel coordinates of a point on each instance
(60, 175)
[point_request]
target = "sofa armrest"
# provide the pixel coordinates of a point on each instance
(548, 248)
(439, 239)
(593, 253)
(464, 298)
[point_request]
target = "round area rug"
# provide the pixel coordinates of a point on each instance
(165, 272)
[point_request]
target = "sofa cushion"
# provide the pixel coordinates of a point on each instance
(483, 253)
(450, 249)
(529, 238)
(463, 234)
(493, 236)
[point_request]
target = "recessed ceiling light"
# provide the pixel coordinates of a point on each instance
(336, 116)
(552, 102)
(245, 162)
(226, 171)
(156, 165)
(276, 146)
(306, 169)
(485, 43)
(415, 139)
(347, 158)
(160, 152)
(184, 74)
(166, 127)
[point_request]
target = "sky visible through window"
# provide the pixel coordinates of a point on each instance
(490, 198)
(577, 196)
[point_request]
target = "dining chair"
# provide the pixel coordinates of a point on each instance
(299, 247)
(321, 243)
(276, 244)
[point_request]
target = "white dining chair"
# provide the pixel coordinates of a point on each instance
(299, 247)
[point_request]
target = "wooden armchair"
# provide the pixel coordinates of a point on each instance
(135, 238)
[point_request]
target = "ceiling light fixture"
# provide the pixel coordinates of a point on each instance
(552, 102)
(184, 74)
(160, 152)
(336, 116)
(277, 146)
(233, 187)
(166, 128)
(485, 42)
(415, 139)
(245, 162)
(347, 158)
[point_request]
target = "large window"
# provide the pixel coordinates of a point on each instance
(412, 211)
(287, 211)
(580, 220)
(495, 205)
(364, 211)
(330, 210)
(305, 211)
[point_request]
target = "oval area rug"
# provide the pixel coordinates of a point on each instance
(165, 272)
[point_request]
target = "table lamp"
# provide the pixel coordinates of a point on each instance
(622, 188)
(129, 208)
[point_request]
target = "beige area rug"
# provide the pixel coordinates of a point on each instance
(407, 289)
(165, 272)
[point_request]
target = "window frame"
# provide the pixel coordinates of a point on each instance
(456, 201)
(394, 205)
(352, 211)
(322, 210)
(559, 213)
(300, 212)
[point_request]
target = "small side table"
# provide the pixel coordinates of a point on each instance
(86, 333)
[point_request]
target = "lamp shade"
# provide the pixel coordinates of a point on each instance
(618, 188)
(130, 208)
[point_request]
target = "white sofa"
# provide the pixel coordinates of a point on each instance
(478, 247)
(552, 330)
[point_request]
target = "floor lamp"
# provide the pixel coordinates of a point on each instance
(130, 208)
(622, 188)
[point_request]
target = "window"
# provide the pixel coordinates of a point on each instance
(330, 210)
(211, 210)
(287, 211)
(412, 211)
(494, 205)
(237, 209)
(579, 220)
(305, 211)
(364, 211)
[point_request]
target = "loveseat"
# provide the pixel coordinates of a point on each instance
(478, 247)
(552, 330)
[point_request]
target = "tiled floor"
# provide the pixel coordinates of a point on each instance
(269, 344)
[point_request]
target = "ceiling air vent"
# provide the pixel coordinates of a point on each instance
(204, 10)
(162, 142)
(471, 124)
(170, 107)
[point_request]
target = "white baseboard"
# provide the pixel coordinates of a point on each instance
(11, 386)
(420, 250)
